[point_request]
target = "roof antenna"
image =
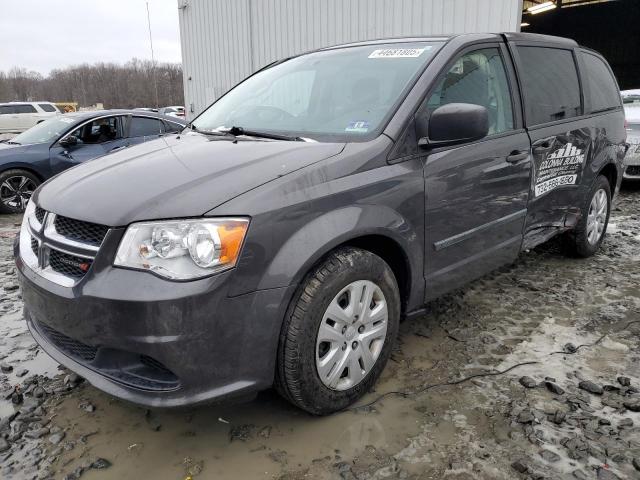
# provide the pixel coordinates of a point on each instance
(153, 60)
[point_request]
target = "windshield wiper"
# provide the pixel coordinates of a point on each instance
(216, 133)
(236, 131)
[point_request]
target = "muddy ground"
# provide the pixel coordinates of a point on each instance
(571, 414)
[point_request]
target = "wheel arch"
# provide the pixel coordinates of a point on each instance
(610, 172)
(380, 230)
(19, 166)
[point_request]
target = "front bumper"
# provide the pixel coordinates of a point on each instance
(155, 342)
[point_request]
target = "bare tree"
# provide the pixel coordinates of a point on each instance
(116, 86)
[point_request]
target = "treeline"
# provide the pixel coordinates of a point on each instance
(115, 86)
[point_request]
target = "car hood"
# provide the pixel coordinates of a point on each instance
(8, 149)
(177, 176)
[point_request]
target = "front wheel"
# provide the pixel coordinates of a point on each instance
(588, 235)
(16, 188)
(339, 332)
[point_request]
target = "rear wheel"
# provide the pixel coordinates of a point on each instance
(16, 188)
(588, 235)
(339, 332)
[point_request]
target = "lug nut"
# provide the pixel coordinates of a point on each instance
(344, 329)
(344, 347)
(354, 345)
(361, 329)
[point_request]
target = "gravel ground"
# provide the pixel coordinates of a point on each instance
(532, 372)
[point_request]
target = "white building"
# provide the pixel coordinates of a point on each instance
(224, 41)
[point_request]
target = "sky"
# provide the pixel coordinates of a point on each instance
(42, 35)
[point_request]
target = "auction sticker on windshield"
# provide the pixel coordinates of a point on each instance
(358, 126)
(561, 167)
(398, 52)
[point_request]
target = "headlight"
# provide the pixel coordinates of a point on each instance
(183, 249)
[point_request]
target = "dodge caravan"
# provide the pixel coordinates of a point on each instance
(282, 236)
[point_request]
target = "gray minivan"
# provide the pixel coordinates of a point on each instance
(282, 236)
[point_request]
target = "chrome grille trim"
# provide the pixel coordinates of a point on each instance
(44, 234)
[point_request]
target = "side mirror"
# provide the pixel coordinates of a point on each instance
(453, 124)
(69, 141)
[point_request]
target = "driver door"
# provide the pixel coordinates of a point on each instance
(94, 140)
(477, 192)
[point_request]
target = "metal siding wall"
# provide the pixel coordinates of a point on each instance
(223, 41)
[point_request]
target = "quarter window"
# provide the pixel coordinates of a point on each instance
(603, 91)
(480, 78)
(6, 109)
(47, 107)
(145, 127)
(550, 84)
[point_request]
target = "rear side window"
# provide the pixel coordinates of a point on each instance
(550, 84)
(47, 107)
(6, 109)
(144, 127)
(25, 109)
(603, 91)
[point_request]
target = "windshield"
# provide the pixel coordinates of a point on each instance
(47, 131)
(344, 94)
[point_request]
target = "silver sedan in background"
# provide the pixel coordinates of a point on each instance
(631, 99)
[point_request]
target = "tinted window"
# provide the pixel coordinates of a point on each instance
(478, 77)
(6, 109)
(25, 109)
(47, 107)
(143, 127)
(550, 84)
(603, 92)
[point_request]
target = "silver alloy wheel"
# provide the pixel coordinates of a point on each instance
(597, 218)
(351, 335)
(16, 191)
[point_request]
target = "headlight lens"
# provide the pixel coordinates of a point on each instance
(183, 249)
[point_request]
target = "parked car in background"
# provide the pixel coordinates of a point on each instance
(16, 117)
(174, 111)
(67, 140)
(630, 96)
(280, 239)
(632, 115)
(146, 109)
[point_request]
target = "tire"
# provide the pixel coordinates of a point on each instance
(580, 242)
(10, 182)
(343, 271)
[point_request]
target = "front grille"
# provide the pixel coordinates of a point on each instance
(69, 265)
(633, 170)
(68, 345)
(85, 232)
(34, 246)
(40, 214)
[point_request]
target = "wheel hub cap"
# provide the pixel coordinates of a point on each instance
(351, 335)
(597, 218)
(16, 191)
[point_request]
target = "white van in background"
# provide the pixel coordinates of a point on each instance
(16, 117)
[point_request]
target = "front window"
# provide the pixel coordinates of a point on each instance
(344, 94)
(100, 130)
(47, 131)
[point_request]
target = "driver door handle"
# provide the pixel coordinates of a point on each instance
(117, 148)
(517, 156)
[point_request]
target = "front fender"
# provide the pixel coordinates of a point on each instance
(326, 232)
